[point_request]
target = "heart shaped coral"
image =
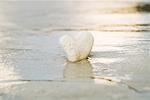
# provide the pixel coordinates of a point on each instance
(77, 46)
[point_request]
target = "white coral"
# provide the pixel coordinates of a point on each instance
(77, 47)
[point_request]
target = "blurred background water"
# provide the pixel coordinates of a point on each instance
(30, 31)
(76, 15)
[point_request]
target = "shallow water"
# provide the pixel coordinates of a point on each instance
(30, 50)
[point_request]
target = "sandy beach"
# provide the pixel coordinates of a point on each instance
(33, 66)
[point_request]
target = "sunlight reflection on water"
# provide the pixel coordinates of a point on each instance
(120, 31)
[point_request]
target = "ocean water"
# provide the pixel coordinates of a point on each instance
(30, 50)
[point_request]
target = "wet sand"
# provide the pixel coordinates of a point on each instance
(34, 66)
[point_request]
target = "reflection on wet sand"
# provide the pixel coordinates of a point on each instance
(8, 73)
(81, 70)
(111, 28)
